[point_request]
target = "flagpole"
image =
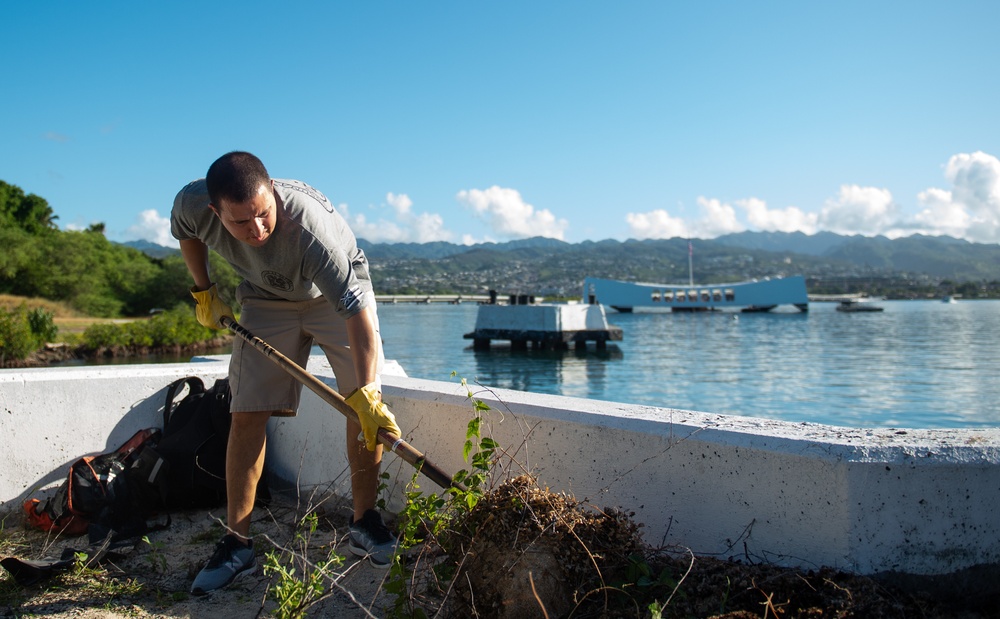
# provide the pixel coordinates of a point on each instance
(690, 266)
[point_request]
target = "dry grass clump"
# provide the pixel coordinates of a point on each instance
(724, 589)
(524, 551)
(58, 309)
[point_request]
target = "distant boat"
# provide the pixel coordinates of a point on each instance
(754, 296)
(859, 305)
(949, 299)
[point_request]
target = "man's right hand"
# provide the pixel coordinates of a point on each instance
(210, 308)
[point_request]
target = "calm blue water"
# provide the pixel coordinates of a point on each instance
(918, 364)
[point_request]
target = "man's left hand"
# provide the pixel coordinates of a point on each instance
(373, 413)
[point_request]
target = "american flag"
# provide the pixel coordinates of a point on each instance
(690, 249)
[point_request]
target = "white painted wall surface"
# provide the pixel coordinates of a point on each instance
(523, 317)
(555, 318)
(594, 318)
(794, 494)
(49, 417)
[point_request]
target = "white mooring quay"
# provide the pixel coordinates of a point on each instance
(919, 502)
(542, 325)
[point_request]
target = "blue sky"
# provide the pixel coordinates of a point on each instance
(479, 121)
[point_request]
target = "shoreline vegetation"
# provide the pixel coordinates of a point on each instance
(59, 352)
(70, 335)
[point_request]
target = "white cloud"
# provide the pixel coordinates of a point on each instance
(856, 210)
(401, 203)
(401, 226)
(656, 224)
(151, 227)
(941, 215)
(867, 211)
(971, 210)
(377, 231)
(976, 178)
(509, 216)
(789, 219)
(719, 218)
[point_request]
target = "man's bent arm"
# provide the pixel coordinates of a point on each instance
(195, 254)
(364, 346)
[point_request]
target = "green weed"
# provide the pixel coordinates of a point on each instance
(425, 517)
(156, 558)
(298, 584)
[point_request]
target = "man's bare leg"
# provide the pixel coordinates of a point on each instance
(244, 466)
(364, 471)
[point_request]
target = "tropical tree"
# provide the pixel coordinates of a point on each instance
(29, 212)
(19, 250)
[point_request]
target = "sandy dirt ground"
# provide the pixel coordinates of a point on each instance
(154, 579)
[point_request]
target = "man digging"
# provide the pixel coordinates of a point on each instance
(305, 281)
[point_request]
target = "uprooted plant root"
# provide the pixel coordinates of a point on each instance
(525, 548)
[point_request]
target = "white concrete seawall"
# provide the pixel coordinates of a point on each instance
(869, 501)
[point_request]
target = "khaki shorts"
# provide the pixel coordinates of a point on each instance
(291, 327)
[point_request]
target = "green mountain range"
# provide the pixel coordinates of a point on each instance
(545, 266)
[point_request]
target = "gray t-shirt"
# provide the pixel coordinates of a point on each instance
(312, 251)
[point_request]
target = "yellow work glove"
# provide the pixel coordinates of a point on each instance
(373, 413)
(210, 307)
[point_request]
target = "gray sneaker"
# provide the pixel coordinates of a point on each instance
(371, 538)
(231, 560)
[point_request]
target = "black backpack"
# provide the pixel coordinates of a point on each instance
(111, 496)
(117, 490)
(195, 434)
(194, 441)
(181, 466)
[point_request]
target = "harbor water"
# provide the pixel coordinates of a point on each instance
(918, 364)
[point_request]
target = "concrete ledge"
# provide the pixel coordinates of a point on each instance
(793, 494)
(869, 501)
